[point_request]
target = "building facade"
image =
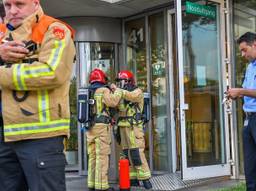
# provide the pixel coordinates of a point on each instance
(184, 54)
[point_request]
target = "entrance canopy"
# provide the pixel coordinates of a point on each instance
(102, 8)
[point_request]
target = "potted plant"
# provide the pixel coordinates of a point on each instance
(72, 142)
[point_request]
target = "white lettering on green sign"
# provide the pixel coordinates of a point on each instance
(202, 10)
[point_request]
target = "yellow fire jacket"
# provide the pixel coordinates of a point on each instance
(103, 96)
(45, 112)
(135, 96)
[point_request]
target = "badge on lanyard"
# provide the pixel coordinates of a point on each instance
(246, 122)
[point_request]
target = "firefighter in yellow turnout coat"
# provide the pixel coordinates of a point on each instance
(44, 75)
(131, 129)
(37, 53)
(99, 136)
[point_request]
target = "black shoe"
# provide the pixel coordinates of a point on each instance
(91, 189)
(134, 182)
(147, 184)
(110, 189)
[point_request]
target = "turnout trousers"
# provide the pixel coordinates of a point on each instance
(249, 146)
(98, 146)
(132, 139)
(34, 165)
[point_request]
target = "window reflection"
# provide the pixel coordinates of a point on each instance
(159, 102)
(203, 90)
(72, 143)
(90, 56)
(136, 50)
(136, 59)
(96, 55)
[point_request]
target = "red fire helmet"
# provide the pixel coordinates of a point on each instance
(126, 75)
(98, 75)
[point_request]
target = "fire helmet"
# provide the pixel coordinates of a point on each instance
(98, 75)
(126, 75)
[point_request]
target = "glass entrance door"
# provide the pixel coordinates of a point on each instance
(203, 130)
(93, 55)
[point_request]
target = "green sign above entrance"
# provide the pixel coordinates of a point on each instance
(202, 10)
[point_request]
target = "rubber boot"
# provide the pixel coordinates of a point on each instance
(134, 182)
(147, 184)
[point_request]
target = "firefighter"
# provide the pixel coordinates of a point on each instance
(99, 135)
(37, 54)
(130, 124)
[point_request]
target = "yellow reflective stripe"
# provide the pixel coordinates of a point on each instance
(101, 186)
(90, 184)
(133, 173)
(54, 60)
(64, 127)
(132, 139)
(143, 175)
(18, 77)
(23, 125)
(99, 104)
(97, 158)
(90, 178)
(29, 128)
(118, 93)
(15, 80)
(43, 105)
(98, 171)
(56, 54)
(121, 106)
(35, 71)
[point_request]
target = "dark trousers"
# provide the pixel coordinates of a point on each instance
(249, 146)
(34, 165)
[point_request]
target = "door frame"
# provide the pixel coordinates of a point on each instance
(189, 173)
(171, 88)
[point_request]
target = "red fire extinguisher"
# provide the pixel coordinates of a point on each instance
(124, 175)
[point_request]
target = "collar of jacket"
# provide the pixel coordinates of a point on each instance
(24, 31)
(96, 85)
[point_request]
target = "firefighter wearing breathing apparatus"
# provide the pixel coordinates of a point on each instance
(130, 123)
(99, 134)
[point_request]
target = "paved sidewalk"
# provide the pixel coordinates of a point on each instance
(214, 186)
(78, 183)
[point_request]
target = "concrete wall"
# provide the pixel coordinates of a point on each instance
(96, 29)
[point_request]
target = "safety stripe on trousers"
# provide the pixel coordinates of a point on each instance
(43, 105)
(20, 73)
(132, 139)
(91, 165)
(99, 184)
(143, 175)
(97, 162)
(29, 128)
(139, 173)
(133, 174)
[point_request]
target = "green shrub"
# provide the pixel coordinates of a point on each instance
(238, 187)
